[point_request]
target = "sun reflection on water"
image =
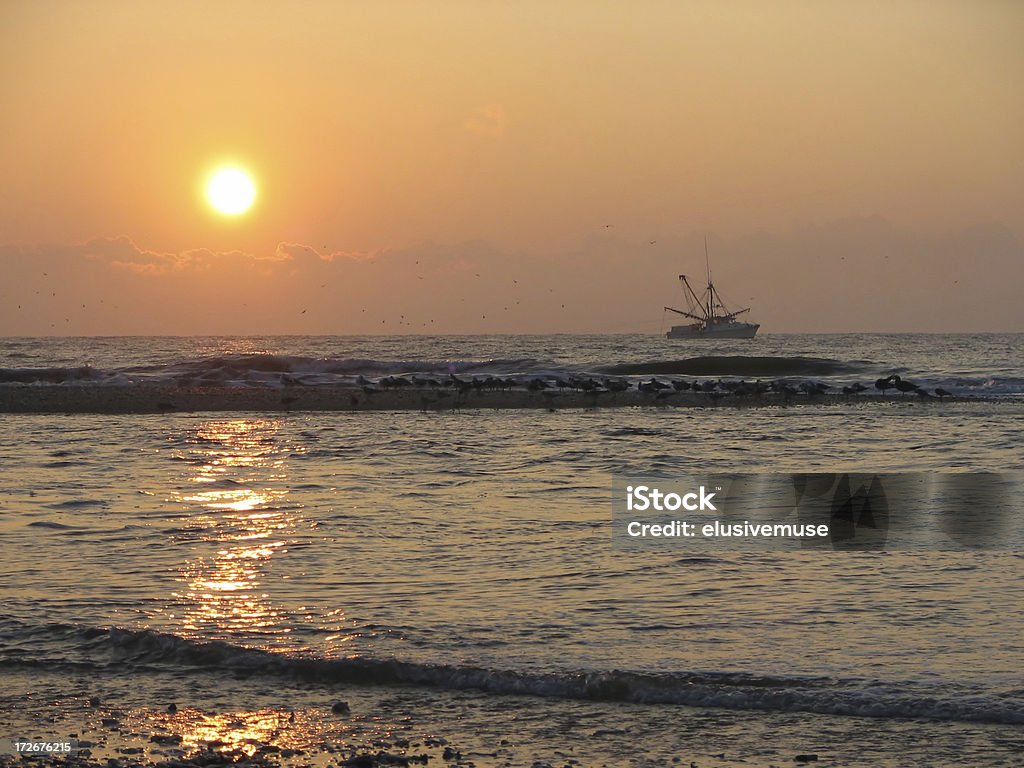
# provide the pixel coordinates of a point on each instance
(257, 736)
(241, 504)
(242, 732)
(236, 735)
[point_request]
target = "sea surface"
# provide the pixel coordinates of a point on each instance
(453, 571)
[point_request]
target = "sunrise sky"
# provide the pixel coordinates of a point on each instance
(531, 167)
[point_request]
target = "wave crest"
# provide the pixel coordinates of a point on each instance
(136, 650)
(737, 365)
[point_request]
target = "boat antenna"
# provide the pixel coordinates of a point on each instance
(707, 261)
(711, 287)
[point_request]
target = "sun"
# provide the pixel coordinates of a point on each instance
(231, 191)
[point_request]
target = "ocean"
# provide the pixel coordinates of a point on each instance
(450, 574)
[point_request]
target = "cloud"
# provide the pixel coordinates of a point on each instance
(122, 253)
(489, 120)
(850, 275)
(297, 251)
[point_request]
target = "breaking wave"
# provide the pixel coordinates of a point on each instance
(739, 365)
(263, 369)
(140, 651)
(80, 374)
(277, 371)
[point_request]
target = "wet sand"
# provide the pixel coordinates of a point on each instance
(111, 736)
(358, 727)
(374, 729)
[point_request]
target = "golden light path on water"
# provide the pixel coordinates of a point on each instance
(240, 502)
(236, 496)
(241, 732)
(264, 733)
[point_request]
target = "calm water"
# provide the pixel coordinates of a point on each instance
(471, 551)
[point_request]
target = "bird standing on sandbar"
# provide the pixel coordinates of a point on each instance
(886, 383)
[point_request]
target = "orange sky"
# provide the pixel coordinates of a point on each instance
(856, 166)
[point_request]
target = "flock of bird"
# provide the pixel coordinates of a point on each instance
(713, 388)
(904, 386)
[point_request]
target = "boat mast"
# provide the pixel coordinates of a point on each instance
(714, 301)
(711, 286)
(707, 260)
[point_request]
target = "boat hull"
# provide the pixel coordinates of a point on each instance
(714, 331)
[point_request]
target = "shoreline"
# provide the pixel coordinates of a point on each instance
(158, 398)
(224, 721)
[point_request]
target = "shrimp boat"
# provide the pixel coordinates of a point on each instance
(713, 320)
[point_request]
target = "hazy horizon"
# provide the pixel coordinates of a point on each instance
(463, 168)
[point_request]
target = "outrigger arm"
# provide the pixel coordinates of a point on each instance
(697, 301)
(685, 314)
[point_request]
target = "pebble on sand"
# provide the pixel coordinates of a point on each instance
(171, 739)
